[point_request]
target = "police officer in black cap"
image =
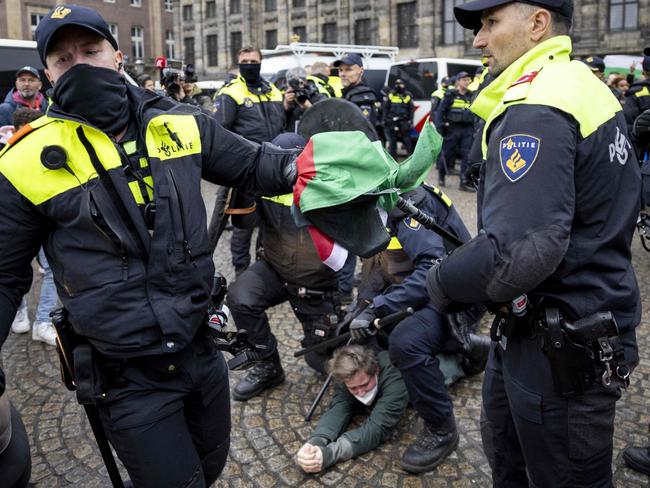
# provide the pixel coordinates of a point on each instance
(559, 196)
(355, 89)
(597, 66)
(398, 118)
(109, 183)
(637, 99)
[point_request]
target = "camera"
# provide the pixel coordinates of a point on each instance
(300, 88)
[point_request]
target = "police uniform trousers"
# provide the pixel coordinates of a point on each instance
(168, 416)
(260, 288)
(534, 436)
(413, 346)
(15, 460)
(457, 144)
(403, 135)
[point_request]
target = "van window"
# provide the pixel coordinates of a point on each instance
(454, 68)
(421, 79)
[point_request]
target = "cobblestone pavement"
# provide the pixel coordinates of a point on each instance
(268, 430)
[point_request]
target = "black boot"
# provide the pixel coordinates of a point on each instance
(466, 186)
(431, 447)
(265, 374)
(638, 458)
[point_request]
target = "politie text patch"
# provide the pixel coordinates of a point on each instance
(518, 152)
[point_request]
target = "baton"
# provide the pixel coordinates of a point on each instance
(427, 221)
(377, 323)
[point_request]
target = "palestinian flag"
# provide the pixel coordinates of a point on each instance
(346, 184)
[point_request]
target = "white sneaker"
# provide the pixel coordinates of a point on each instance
(20, 324)
(44, 332)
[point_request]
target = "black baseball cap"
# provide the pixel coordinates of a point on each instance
(462, 74)
(351, 58)
(469, 14)
(595, 63)
(64, 15)
(30, 70)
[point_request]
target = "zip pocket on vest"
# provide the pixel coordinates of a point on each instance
(176, 198)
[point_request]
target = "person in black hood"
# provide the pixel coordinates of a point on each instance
(109, 183)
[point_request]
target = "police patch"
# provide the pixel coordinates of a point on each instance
(518, 152)
(248, 103)
(411, 223)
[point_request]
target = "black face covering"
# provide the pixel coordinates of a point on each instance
(95, 94)
(250, 72)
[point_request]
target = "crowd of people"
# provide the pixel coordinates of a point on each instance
(108, 196)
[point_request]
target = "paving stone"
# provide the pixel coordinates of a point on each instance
(269, 429)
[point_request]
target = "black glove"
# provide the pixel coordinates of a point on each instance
(361, 328)
(641, 127)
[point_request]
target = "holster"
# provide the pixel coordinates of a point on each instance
(581, 352)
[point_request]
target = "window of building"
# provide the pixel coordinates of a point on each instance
(235, 6)
(452, 31)
(187, 12)
(210, 9)
(407, 28)
(136, 3)
(327, 1)
(298, 3)
(212, 46)
(330, 33)
(235, 46)
(270, 5)
(169, 5)
(170, 45)
(137, 42)
(623, 14)
(363, 32)
(301, 32)
(34, 19)
(109, 1)
(188, 48)
(114, 32)
(271, 38)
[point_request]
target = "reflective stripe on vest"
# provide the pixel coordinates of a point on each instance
(286, 199)
(460, 103)
(239, 92)
(643, 92)
(394, 98)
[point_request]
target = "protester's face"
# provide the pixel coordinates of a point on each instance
(187, 87)
(503, 38)
(249, 58)
(361, 383)
(28, 85)
(149, 85)
(76, 45)
(350, 74)
(623, 85)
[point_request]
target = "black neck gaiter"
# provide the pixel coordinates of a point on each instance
(98, 95)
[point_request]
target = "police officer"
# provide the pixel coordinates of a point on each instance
(290, 269)
(253, 108)
(320, 76)
(111, 190)
(597, 66)
(355, 89)
(437, 96)
(637, 99)
(559, 200)
(395, 279)
(455, 120)
(398, 118)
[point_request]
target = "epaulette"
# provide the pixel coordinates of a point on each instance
(519, 89)
(438, 193)
(25, 130)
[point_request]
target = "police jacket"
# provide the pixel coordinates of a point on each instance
(559, 194)
(365, 98)
(399, 272)
(436, 98)
(289, 249)
(454, 108)
(637, 100)
(398, 107)
(387, 410)
(254, 112)
(130, 291)
(322, 84)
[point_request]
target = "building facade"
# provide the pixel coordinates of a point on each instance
(144, 29)
(210, 32)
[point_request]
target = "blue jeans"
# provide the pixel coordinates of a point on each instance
(48, 298)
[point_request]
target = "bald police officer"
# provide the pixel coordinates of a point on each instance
(559, 196)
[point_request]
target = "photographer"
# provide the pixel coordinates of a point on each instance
(301, 94)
